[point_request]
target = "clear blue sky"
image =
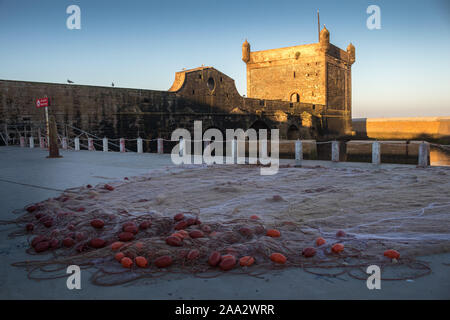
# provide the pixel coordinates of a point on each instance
(402, 69)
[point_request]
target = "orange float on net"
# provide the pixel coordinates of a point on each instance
(108, 187)
(181, 225)
(254, 217)
(320, 241)
(392, 254)
(174, 241)
(116, 245)
(309, 252)
(260, 230)
(119, 256)
(126, 262)
(227, 262)
(206, 228)
(340, 233)
(163, 262)
(32, 208)
(278, 258)
(178, 217)
(183, 233)
(97, 243)
(130, 228)
(246, 232)
(273, 233)
(144, 225)
(246, 261)
(54, 244)
(141, 262)
(337, 247)
(229, 255)
(42, 246)
(97, 223)
(214, 258)
(193, 254)
(178, 235)
(68, 242)
(139, 245)
(194, 234)
(126, 236)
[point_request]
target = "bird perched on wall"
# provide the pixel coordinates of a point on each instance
(69, 81)
(112, 84)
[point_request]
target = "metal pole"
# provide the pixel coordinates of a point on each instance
(46, 123)
(91, 144)
(318, 24)
(160, 146)
(7, 134)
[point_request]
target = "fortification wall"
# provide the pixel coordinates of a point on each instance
(414, 128)
(129, 113)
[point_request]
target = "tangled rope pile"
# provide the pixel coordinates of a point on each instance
(124, 241)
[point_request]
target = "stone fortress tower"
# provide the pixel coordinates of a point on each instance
(317, 73)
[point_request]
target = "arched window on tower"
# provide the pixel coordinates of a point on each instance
(295, 97)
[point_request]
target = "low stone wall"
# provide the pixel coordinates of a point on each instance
(391, 151)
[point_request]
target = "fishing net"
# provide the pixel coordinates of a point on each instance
(231, 211)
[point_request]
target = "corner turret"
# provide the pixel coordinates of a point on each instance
(324, 38)
(351, 53)
(246, 51)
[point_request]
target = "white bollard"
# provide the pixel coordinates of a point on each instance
(423, 154)
(64, 143)
(335, 151)
(22, 142)
(105, 144)
(376, 152)
(122, 145)
(31, 142)
(139, 145)
(160, 146)
(298, 152)
(41, 143)
(77, 144)
(91, 144)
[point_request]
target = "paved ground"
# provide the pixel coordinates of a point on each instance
(21, 168)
